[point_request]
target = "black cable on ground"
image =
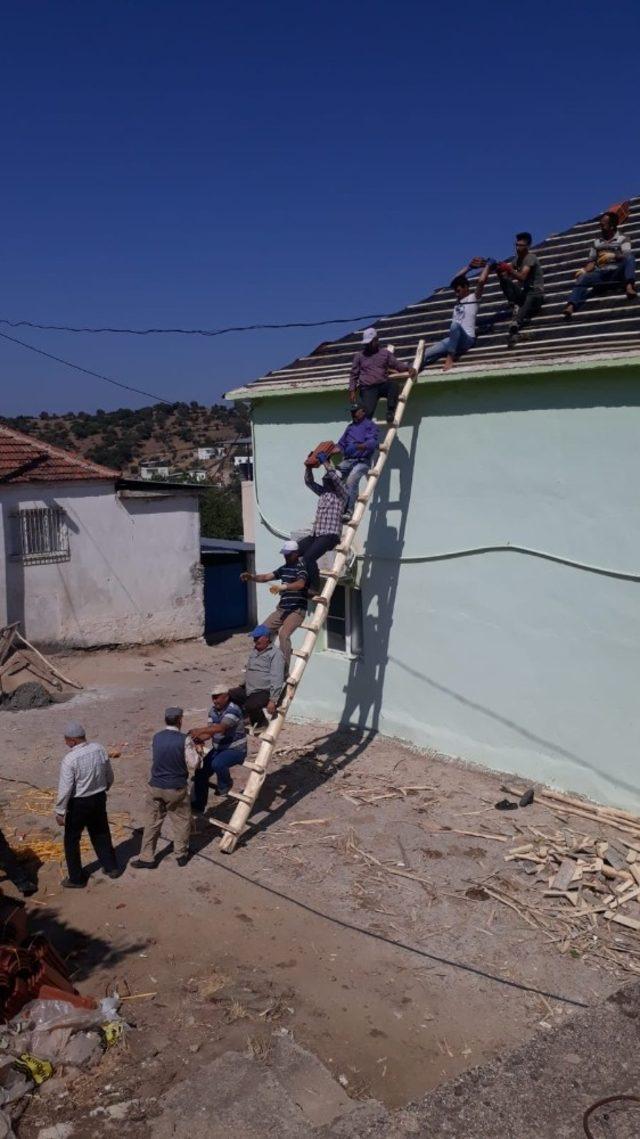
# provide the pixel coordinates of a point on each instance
(602, 1103)
(474, 969)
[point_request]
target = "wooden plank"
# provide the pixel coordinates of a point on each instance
(565, 875)
(622, 919)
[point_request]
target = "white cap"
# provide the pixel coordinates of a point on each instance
(220, 690)
(368, 335)
(289, 547)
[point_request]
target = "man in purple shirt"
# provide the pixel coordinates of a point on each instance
(358, 445)
(370, 375)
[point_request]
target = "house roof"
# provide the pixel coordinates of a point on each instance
(606, 329)
(25, 459)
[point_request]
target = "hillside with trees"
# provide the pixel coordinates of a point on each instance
(125, 438)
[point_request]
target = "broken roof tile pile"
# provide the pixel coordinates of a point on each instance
(609, 325)
(24, 459)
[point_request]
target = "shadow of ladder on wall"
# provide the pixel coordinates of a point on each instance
(257, 767)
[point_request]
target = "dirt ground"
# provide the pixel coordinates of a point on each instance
(359, 843)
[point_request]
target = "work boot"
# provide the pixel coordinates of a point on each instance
(512, 338)
(140, 864)
(183, 859)
(69, 885)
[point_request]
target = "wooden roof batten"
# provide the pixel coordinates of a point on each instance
(607, 327)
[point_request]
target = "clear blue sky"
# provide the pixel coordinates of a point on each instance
(212, 163)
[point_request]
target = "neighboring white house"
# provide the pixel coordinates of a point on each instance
(206, 453)
(155, 469)
(89, 558)
(495, 609)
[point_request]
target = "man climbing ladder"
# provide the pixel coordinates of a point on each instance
(258, 767)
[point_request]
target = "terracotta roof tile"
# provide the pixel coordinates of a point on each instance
(24, 459)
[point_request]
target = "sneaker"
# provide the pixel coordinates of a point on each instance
(568, 312)
(113, 873)
(140, 864)
(346, 517)
(512, 338)
(69, 885)
(183, 859)
(224, 790)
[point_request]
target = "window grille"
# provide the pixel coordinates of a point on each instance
(42, 535)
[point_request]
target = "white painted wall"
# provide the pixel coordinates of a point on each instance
(133, 575)
(503, 658)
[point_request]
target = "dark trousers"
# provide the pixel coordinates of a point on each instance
(252, 704)
(89, 813)
(313, 547)
(621, 273)
(370, 395)
(215, 763)
(529, 303)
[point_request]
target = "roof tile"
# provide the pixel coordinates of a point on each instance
(24, 459)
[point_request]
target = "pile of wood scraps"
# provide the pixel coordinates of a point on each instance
(21, 663)
(589, 901)
(360, 796)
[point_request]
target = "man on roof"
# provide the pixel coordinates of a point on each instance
(611, 262)
(370, 379)
(462, 333)
(294, 595)
(522, 283)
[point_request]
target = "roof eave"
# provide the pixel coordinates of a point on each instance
(458, 375)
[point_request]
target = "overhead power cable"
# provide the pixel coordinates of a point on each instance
(86, 371)
(210, 332)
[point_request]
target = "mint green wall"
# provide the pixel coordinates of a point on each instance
(504, 658)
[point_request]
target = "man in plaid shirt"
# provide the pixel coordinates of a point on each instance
(325, 535)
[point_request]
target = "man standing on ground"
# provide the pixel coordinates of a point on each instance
(264, 679)
(294, 596)
(462, 333)
(325, 532)
(85, 777)
(370, 375)
(522, 283)
(358, 445)
(167, 793)
(610, 262)
(229, 748)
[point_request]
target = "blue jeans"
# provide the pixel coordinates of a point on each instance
(215, 763)
(455, 344)
(621, 273)
(352, 471)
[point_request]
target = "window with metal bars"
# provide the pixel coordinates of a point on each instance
(42, 535)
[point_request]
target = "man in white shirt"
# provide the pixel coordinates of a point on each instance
(85, 777)
(462, 334)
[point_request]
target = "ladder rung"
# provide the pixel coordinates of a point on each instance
(265, 738)
(323, 600)
(353, 525)
(362, 498)
(330, 573)
(341, 550)
(242, 798)
(224, 826)
(372, 474)
(255, 767)
(301, 653)
(384, 447)
(311, 627)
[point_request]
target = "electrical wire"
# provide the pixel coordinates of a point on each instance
(209, 332)
(86, 371)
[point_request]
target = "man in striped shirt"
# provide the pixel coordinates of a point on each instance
(293, 592)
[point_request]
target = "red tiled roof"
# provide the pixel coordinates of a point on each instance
(26, 459)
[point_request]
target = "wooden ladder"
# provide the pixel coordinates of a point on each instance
(258, 765)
